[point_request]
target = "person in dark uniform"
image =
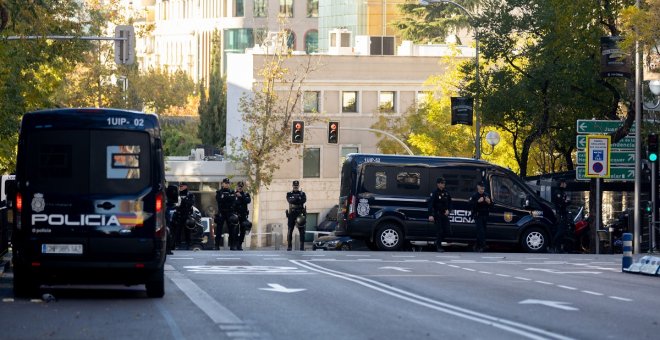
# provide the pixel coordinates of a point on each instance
(241, 210)
(561, 201)
(481, 203)
(225, 198)
(184, 209)
(296, 199)
(439, 207)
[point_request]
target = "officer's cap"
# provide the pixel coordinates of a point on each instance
(226, 180)
(240, 184)
(183, 183)
(440, 180)
(296, 183)
(481, 184)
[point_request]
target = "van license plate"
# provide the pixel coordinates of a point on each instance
(61, 248)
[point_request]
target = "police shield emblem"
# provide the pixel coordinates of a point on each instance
(508, 217)
(363, 207)
(38, 203)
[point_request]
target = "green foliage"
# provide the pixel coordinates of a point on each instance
(213, 110)
(433, 22)
(179, 135)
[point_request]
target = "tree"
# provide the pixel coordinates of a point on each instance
(267, 113)
(31, 70)
(213, 110)
(431, 23)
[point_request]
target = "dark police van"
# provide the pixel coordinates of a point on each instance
(384, 201)
(89, 200)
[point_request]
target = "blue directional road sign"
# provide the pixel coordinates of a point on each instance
(587, 126)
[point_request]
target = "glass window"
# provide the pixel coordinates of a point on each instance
(349, 101)
(312, 8)
(260, 8)
(381, 181)
(312, 163)
(260, 36)
(409, 180)
(312, 41)
(386, 101)
(508, 192)
(239, 8)
(460, 182)
(312, 221)
(238, 39)
(311, 101)
(123, 161)
(290, 40)
(286, 8)
(345, 150)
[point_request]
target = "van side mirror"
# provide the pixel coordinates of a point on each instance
(529, 203)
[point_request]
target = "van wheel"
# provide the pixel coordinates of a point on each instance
(156, 284)
(24, 284)
(389, 237)
(534, 240)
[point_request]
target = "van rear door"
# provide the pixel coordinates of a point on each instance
(85, 194)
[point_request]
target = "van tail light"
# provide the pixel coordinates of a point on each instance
(160, 216)
(351, 207)
(19, 208)
(19, 202)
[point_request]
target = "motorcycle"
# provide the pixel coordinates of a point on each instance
(187, 221)
(613, 232)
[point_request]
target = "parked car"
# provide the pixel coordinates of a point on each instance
(333, 242)
(330, 222)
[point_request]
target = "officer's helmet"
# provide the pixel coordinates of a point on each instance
(233, 219)
(300, 220)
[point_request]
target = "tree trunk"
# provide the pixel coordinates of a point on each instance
(256, 226)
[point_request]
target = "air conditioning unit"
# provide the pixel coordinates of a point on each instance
(340, 42)
(374, 45)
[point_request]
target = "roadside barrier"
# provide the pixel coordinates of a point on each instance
(648, 264)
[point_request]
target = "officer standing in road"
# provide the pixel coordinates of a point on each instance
(225, 198)
(439, 207)
(481, 203)
(241, 209)
(296, 199)
(561, 201)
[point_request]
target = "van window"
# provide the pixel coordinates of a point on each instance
(460, 182)
(84, 162)
(506, 191)
(396, 180)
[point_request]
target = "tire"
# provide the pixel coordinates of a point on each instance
(25, 286)
(155, 285)
(534, 240)
(345, 246)
(389, 237)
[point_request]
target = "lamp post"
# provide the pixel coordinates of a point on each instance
(654, 86)
(477, 139)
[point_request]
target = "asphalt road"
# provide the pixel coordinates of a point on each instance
(353, 295)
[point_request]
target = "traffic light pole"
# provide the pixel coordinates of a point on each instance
(654, 213)
(370, 130)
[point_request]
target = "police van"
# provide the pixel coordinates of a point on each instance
(89, 200)
(384, 201)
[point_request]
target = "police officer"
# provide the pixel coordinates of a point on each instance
(180, 216)
(225, 198)
(296, 199)
(561, 201)
(481, 203)
(241, 210)
(439, 207)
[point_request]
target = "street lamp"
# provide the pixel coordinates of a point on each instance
(654, 86)
(477, 140)
(492, 138)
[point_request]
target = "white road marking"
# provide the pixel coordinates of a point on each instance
(503, 275)
(567, 287)
(469, 269)
(180, 258)
(278, 288)
(401, 269)
(514, 327)
(482, 272)
(549, 303)
(244, 270)
(544, 282)
(620, 298)
(522, 278)
(592, 293)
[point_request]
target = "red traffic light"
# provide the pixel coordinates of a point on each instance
(333, 132)
(298, 132)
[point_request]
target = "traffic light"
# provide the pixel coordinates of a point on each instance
(652, 144)
(298, 132)
(333, 132)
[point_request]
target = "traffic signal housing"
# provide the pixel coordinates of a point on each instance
(333, 132)
(297, 132)
(652, 145)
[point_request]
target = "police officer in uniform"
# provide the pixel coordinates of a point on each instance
(296, 199)
(481, 203)
(561, 201)
(439, 207)
(241, 210)
(225, 198)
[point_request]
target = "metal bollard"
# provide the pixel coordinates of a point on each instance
(627, 259)
(225, 240)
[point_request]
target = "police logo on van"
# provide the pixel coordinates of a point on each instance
(508, 216)
(38, 203)
(363, 207)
